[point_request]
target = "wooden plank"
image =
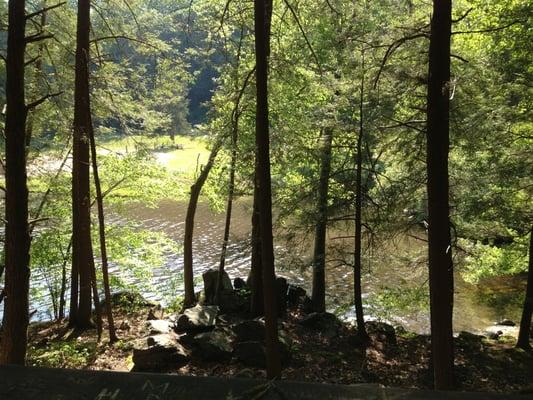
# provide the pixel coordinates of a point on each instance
(23, 383)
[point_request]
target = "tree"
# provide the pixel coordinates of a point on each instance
(196, 188)
(358, 295)
(17, 230)
(439, 240)
(262, 14)
(319, 258)
(101, 231)
(82, 252)
(525, 322)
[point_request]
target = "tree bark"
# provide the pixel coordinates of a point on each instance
(231, 189)
(256, 271)
(440, 255)
(82, 252)
(103, 245)
(318, 295)
(262, 12)
(17, 236)
(357, 264)
(38, 70)
(524, 334)
(196, 188)
(61, 313)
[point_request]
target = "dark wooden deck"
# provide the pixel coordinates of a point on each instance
(18, 383)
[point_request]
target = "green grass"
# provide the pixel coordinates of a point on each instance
(191, 151)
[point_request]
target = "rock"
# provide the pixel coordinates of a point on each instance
(382, 332)
(198, 318)
(239, 283)
(494, 335)
(307, 305)
(328, 324)
(213, 346)
(130, 299)
(295, 295)
(151, 315)
(158, 326)
(235, 301)
(506, 322)
(159, 353)
(250, 330)
(470, 340)
(253, 353)
(281, 287)
(469, 337)
(200, 297)
(210, 284)
(124, 326)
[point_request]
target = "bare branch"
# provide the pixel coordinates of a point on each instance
(43, 10)
(459, 58)
(38, 37)
(300, 27)
(42, 100)
(392, 48)
(115, 37)
(32, 60)
(463, 16)
(493, 29)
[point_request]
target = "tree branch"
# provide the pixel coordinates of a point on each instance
(300, 27)
(42, 100)
(43, 10)
(38, 37)
(392, 48)
(489, 30)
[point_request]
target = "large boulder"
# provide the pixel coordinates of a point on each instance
(210, 278)
(239, 283)
(197, 319)
(249, 330)
(295, 295)
(253, 353)
(213, 346)
(158, 353)
(158, 326)
(234, 302)
(327, 324)
(281, 289)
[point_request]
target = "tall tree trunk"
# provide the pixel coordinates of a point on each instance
(236, 113)
(357, 265)
(256, 271)
(17, 237)
(196, 188)
(38, 70)
(61, 313)
(319, 259)
(82, 252)
(440, 255)
(229, 209)
(262, 12)
(103, 245)
(525, 323)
